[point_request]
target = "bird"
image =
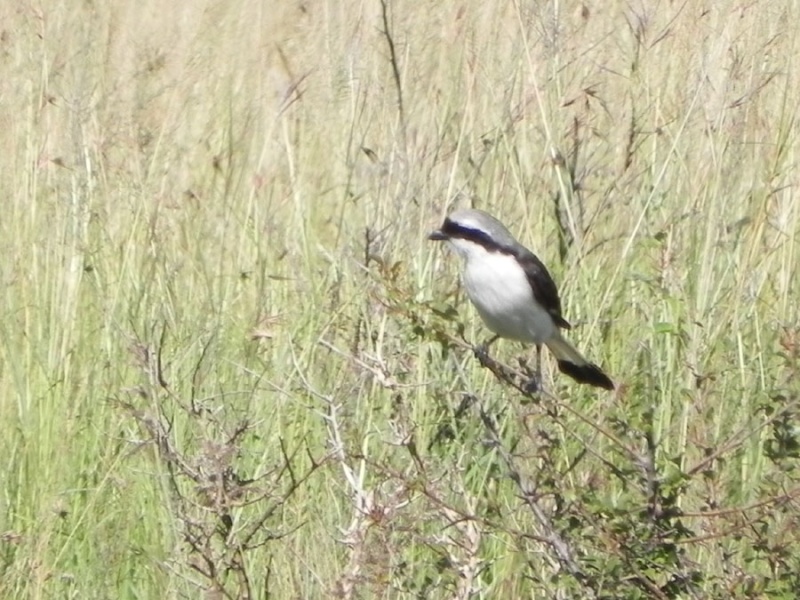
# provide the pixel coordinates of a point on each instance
(513, 291)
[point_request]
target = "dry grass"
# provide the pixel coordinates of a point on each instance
(231, 367)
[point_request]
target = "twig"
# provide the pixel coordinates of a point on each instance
(527, 488)
(393, 59)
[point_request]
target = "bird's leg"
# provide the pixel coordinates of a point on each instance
(534, 384)
(539, 362)
(482, 350)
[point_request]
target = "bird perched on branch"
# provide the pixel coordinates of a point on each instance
(515, 295)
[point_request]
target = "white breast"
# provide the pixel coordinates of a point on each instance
(498, 288)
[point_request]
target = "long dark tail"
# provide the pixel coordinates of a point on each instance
(572, 363)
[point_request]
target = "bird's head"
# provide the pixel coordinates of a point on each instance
(472, 233)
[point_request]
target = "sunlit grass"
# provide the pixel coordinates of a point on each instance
(231, 363)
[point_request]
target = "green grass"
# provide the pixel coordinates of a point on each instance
(231, 365)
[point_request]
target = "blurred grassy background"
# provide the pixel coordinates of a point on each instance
(230, 363)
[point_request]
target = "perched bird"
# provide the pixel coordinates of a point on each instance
(512, 290)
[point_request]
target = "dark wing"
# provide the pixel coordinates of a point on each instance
(543, 286)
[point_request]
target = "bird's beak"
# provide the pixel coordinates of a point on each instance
(437, 236)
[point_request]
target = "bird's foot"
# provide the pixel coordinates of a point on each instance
(532, 385)
(481, 352)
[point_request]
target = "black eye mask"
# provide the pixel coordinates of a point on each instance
(462, 232)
